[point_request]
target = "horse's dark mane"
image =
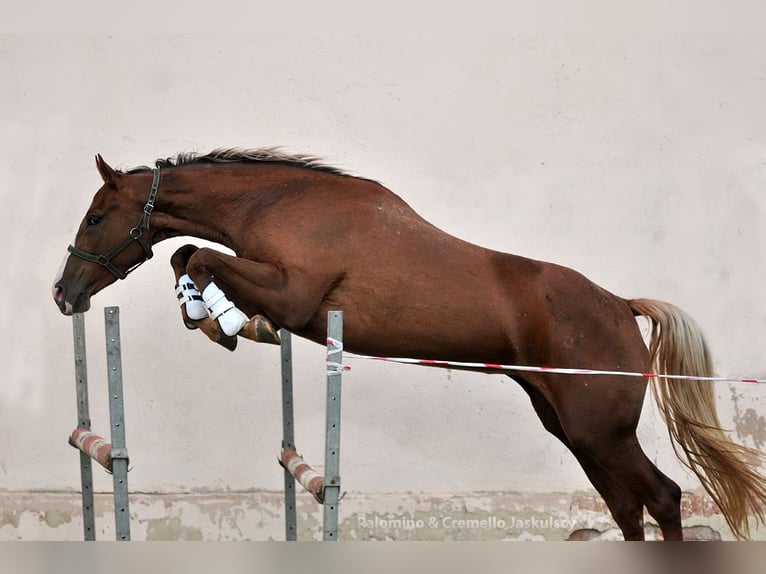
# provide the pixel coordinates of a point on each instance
(234, 155)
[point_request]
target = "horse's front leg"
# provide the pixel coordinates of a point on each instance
(189, 298)
(224, 321)
(288, 296)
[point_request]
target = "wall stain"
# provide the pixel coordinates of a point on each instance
(52, 514)
(752, 425)
(171, 528)
(748, 424)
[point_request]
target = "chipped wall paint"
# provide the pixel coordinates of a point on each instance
(749, 425)
(485, 516)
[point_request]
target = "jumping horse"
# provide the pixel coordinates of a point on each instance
(308, 238)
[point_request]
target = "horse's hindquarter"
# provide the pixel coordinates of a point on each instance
(423, 293)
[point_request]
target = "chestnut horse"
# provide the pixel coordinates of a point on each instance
(309, 238)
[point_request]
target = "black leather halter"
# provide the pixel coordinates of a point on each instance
(135, 234)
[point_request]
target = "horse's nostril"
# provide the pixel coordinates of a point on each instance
(58, 293)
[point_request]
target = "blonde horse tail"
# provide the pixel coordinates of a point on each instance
(726, 470)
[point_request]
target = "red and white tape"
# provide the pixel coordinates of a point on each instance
(541, 369)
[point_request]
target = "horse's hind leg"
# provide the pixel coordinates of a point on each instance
(623, 458)
(603, 434)
(626, 507)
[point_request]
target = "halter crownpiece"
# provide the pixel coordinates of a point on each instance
(135, 234)
(143, 223)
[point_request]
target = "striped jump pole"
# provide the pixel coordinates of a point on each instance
(324, 489)
(113, 456)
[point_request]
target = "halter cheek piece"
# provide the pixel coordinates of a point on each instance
(135, 234)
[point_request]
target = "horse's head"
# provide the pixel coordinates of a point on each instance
(112, 239)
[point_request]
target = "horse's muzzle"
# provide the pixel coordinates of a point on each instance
(80, 305)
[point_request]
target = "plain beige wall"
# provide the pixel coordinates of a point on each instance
(638, 160)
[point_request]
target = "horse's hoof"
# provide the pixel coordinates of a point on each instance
(261, 330)
(227, 341)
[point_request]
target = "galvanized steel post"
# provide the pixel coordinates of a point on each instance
(117, 419)
(83, 421)
(288, 432)
(332, 437)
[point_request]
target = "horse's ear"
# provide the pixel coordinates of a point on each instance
(108, 174)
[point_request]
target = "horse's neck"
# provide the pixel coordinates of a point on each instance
(190, 207)
(209, 204)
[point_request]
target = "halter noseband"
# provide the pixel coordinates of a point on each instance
(135, 234)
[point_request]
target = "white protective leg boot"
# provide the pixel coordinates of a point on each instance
(189, 295)
(224, 311)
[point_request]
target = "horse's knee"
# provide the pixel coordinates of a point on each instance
(198, 265)
(180, 259)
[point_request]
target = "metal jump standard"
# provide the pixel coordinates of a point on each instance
(113, 456)
(325, 489)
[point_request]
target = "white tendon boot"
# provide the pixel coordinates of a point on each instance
(229, 317)
(189, 295)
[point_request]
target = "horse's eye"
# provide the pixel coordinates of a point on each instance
(94, 219)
